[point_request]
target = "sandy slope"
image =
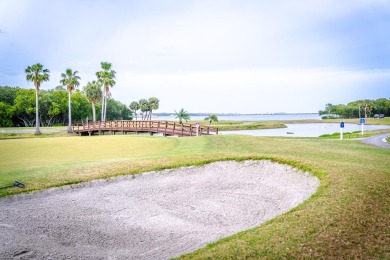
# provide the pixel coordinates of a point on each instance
(152, 216)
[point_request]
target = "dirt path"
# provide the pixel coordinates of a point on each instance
(152, 216)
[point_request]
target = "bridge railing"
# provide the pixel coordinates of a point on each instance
(164, 127)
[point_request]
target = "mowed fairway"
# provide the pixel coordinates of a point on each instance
(347, 217)
(45, 162)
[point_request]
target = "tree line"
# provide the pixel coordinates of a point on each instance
(357, 109)
(54, 107)
(17, 107)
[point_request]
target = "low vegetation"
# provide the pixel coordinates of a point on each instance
(346, 135)
(224, 125)
(346, 218)
(369, 121)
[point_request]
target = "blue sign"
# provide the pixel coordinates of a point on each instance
(341, 124)
(362, 121)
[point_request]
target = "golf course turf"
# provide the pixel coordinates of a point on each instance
(347, 217)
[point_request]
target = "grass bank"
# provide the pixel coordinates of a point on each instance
(346, 218)
(225, 125)
(355, 134)
(369, 121)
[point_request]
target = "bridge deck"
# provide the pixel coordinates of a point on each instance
(167, 128)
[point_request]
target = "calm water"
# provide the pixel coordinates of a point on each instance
(247, 117)
(299, 130)
(307, 130)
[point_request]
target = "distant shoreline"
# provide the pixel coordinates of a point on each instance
(238, 114)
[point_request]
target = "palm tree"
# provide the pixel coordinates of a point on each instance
(145, 108)
(154, 104)
(93, 92)
(71, 81)
(182, 114)
(134, 106)
(329, 108)
(36, 74)
(211, 118)
(106, 78)
(360, 104)
(368, 107)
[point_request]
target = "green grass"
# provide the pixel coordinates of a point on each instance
(348, 217)
(4, 136)
(369, 121)
(225, 125)
(347, 135)
(355, 134)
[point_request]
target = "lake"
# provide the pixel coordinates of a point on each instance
(299, 130)
(243, 117)
(307, 130)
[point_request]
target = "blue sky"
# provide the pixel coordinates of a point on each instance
(244, 56)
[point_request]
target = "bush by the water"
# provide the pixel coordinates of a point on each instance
(336, 135)
(357, 109)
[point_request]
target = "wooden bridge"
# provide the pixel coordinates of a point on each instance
(166, 128)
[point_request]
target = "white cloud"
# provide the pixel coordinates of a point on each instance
(252, 91)
(221, 56)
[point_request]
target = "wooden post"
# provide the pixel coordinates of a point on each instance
(191, 130)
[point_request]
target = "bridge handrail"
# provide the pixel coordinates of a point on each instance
(165, 127)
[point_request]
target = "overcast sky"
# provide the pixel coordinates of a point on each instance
(242, 56)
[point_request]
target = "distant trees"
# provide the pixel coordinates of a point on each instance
(24, 106)
(37, 74)
(357, 109)
(6, 114)
(329, 108)
(53, 107)
(70, 80)
(211, 118)
(182, 115)
(64, 103)
(106, 77)
(146, 106)
(93, 92)
(117, 111)
(134, 107)
(154, 104)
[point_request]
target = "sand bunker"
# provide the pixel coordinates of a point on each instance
(155, 215)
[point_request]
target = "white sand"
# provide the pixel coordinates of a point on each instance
(155, 215)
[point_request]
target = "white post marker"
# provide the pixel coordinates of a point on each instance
(197, 128)
(341, 130)
(362, 122)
